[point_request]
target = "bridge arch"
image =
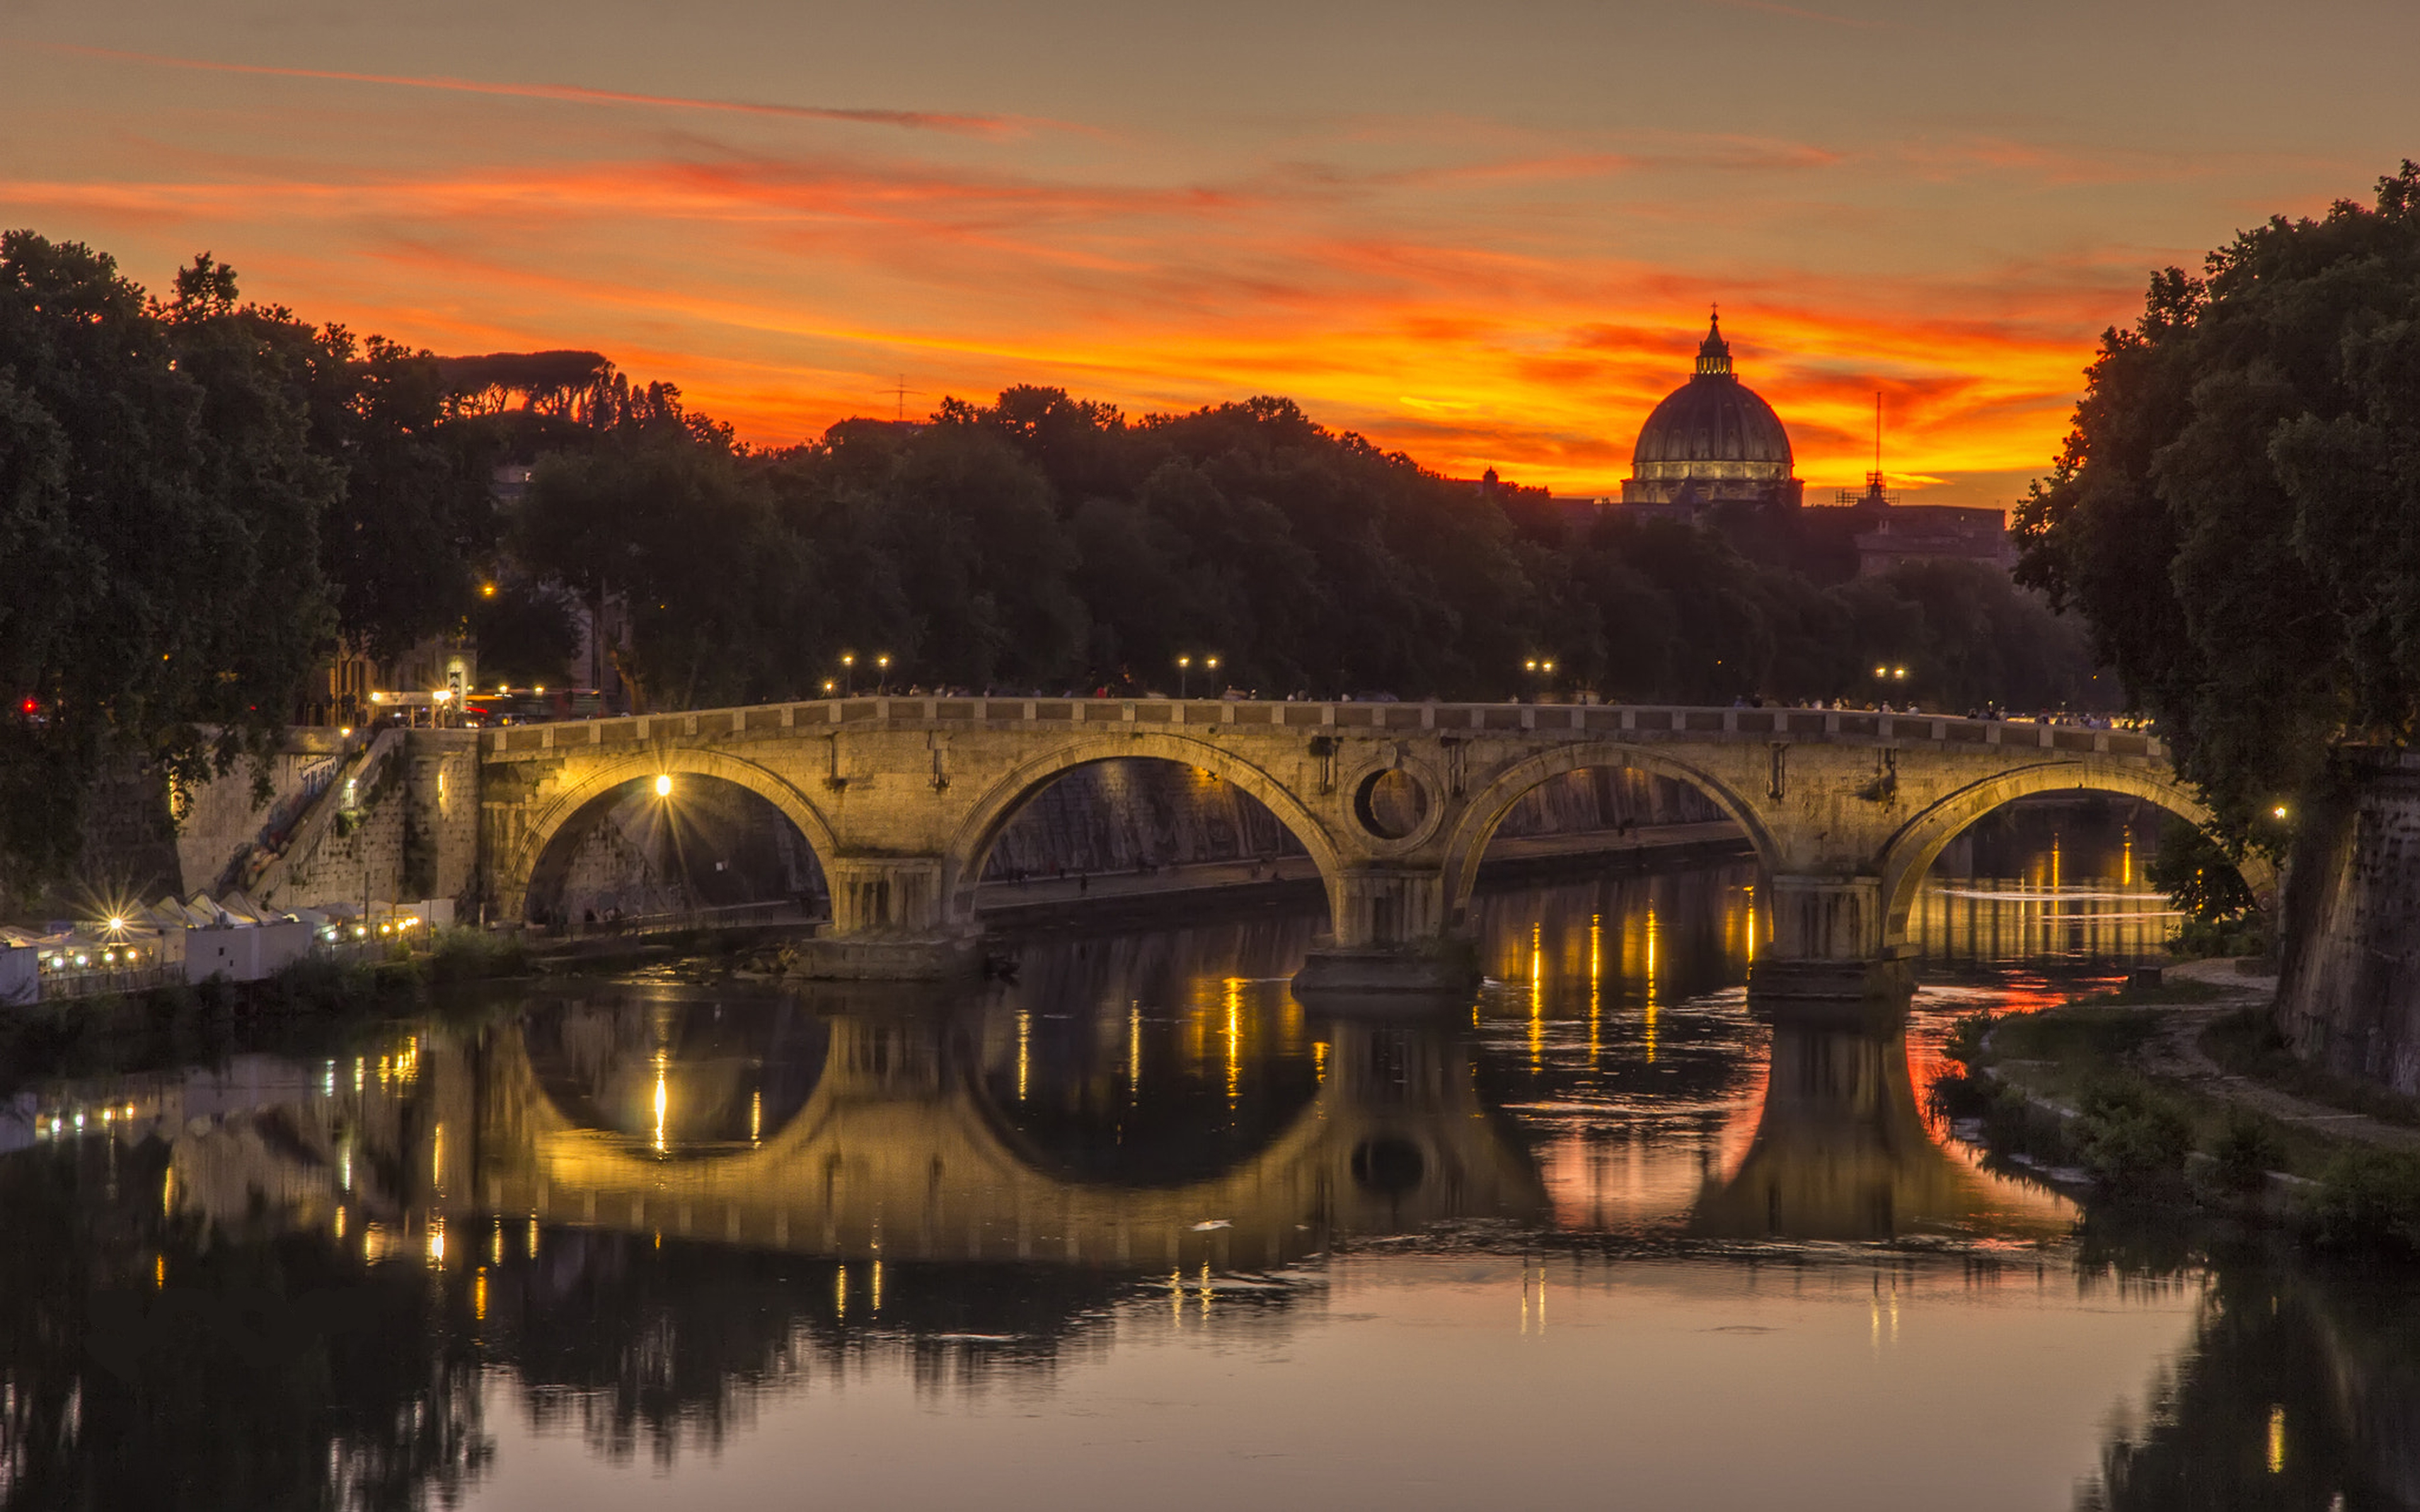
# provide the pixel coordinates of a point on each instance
(962, 864)
(1487, 809)
(1910, 852)
(601, 780)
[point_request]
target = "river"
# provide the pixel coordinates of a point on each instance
(1138, 1229)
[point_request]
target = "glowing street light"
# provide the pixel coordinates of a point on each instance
(882, 664)
(2279, 811)
(849, 672)
(665, 785)
(1184, 671)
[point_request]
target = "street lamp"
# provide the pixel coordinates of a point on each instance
(849, 672)
(1210, 665)
(1184, 671)
(663, 785)
(882, 664)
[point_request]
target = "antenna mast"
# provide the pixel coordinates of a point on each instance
(1878, 440)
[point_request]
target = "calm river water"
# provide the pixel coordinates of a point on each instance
(1138, 1229)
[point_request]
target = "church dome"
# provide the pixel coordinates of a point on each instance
(1713, 418)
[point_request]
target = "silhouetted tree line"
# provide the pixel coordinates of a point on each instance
(200, 496)
(1047, 542)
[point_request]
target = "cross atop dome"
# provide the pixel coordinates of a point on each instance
(1714, 353)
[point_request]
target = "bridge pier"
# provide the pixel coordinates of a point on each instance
(1827, 953)
(1389, 937)
(890, 923)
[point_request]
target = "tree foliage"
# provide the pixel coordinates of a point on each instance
(160, 502)
(2237, 511)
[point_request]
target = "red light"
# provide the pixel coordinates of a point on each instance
(29, 707)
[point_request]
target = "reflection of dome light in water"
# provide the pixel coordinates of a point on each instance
(1537, 1002)
(1596, 974)
(661, 1102)
(1652, 930)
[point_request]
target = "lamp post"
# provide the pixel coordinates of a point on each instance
(847, 672)
(882, 664)
(1542, 668)
(1210, 665)
(1184, 671)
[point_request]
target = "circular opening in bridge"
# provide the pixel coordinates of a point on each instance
(1390, 804)
(675, 851)
(1388, 1166)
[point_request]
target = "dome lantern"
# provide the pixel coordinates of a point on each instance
(1714, 353)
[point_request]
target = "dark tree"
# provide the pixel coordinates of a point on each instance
(2237, 510)
(161, 504)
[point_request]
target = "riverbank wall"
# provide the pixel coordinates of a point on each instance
(2348, 995)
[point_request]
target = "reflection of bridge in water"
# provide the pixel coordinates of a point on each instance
(1841, 1153)
(899, 1151)
(903, 1133)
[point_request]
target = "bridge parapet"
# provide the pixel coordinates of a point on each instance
(1645, 722)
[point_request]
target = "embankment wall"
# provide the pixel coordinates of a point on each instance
(2349, 997)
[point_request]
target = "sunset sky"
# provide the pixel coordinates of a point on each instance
(1485, 233)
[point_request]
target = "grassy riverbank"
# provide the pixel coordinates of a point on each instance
(2182, 1094)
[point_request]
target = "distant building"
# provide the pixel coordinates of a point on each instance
(1890, 533)
(1711, 441)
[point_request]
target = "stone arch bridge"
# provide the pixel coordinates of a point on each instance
(901, 798)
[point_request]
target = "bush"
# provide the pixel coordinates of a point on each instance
(469, 955)
(2247, 1151)
(2200, 939)
(2370, 1201)
(2132, 1140)
(1966, 1036)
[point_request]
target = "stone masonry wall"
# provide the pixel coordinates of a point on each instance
(2350, 998)
(221, 823)
(335, 872)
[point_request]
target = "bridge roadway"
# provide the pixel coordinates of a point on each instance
(901, 798)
